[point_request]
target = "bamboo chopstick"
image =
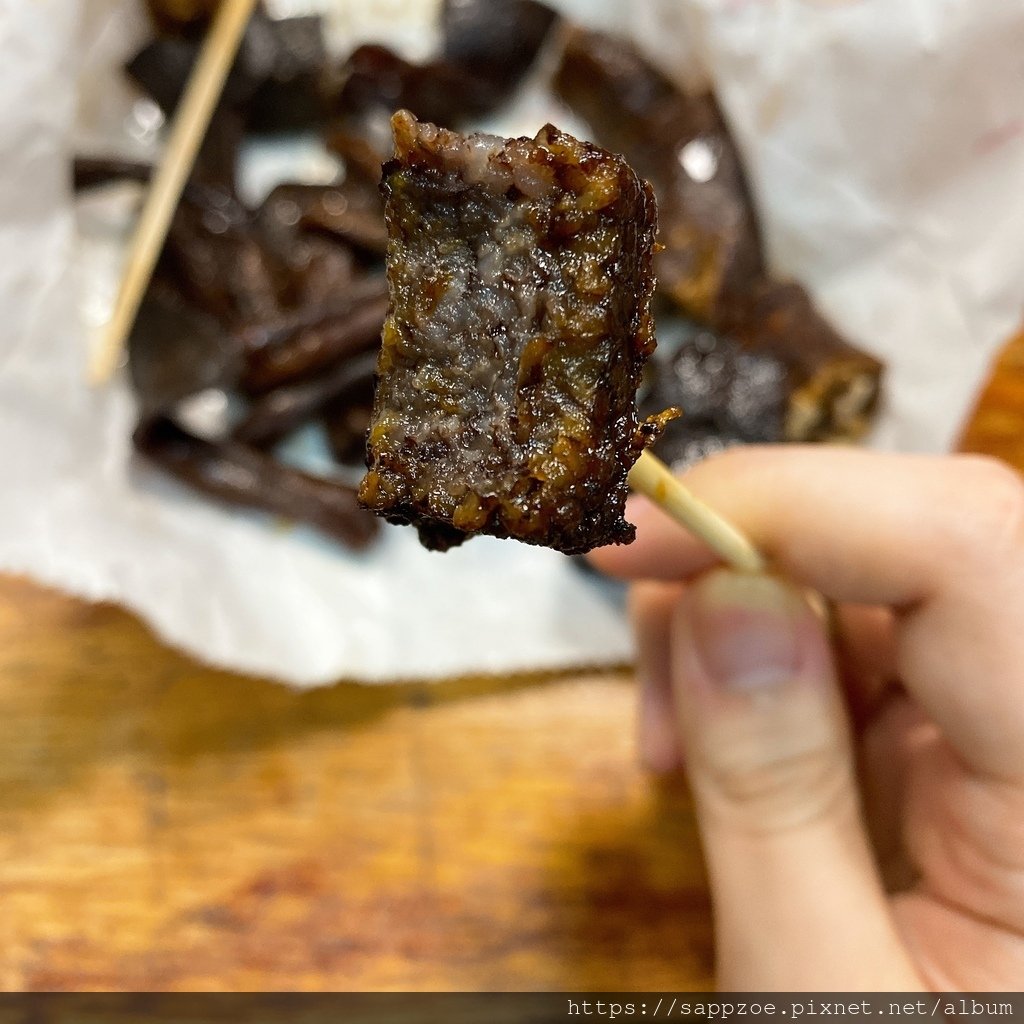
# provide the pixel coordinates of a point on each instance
(651, 477)
(186, 136)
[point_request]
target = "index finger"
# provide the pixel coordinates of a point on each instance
(940, 539)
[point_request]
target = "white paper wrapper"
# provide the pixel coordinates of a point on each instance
(885, 143)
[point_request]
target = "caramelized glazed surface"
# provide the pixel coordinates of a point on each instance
(520, 282)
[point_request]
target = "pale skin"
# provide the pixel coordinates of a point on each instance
(861, 800)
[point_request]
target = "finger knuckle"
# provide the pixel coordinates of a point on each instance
(969, 844)
(784, 792)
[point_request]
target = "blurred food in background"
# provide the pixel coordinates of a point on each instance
(276, 307)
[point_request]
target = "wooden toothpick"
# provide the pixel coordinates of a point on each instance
(652, 478)
(186, 136)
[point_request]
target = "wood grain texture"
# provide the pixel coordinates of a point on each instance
(164, 826)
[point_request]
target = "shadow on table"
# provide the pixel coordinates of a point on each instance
(82, 683)
(636, 906)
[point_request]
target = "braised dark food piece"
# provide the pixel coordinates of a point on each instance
(181, 15)
(294, 93)
(729, 395)
(351, 210)
(278, 413)
(176, 350)
(250, 478)
(496, 41)
(221, 263)
(214, 167)
(833, 387)
(488, 46)
(712, 265)
(278, 80)
(344, 213)
(217, 161)
(289, 348)
(782, 374)
(93, 172)
(520, 281)
(681, 144)
(346, 421)
(163, 66)
(318, 267)
(280, 307)
(377, 82)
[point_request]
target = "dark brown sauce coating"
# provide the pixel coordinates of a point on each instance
(309, 341)
(249, 478)
(275, 415)
(681, 144)
(520, 281)
(378, 80)
(496, 41)
(834, 387)
(278, 81)
(176, 350)
(181, 15)
(346, 421)
(711, 266)
(731, 395)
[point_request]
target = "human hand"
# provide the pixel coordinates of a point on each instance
(862, 814)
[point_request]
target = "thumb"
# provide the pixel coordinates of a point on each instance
(798, 901)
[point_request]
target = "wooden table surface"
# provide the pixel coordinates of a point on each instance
(165, 826)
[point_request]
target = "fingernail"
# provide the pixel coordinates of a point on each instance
(746, 630)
